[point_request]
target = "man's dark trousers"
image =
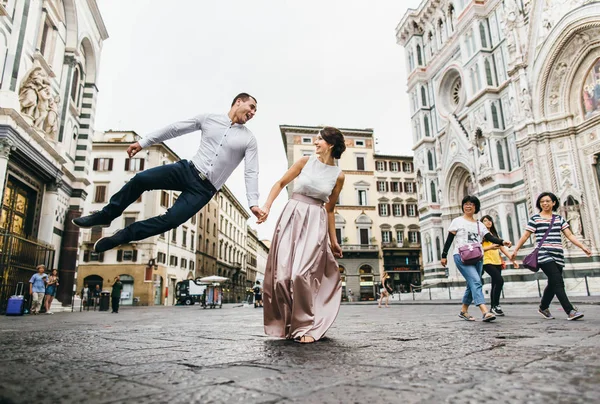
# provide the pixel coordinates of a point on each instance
(115, 304)
(180, 176)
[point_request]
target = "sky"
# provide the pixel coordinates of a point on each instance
(309, 62)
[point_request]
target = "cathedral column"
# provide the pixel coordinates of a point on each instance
(5, 148)
(49, 207)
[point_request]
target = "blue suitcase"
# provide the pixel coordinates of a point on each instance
(16, 303)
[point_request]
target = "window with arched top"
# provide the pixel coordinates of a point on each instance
(488, 73)
(433, 192)
(423, 96)
(429, 160)
(483, 35)
(438, 250)
(419, 56)
(495, 120)
(426, 125)
(500, 152)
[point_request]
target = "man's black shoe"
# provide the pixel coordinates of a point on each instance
(108, 243)
(93, 220)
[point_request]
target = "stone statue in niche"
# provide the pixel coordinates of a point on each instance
(37, 101)
(51, 123)
(574, 219)
(484, 159)
(526, 104)
(28, 92)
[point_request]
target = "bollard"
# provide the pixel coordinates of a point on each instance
(430, 293)
(587, 287)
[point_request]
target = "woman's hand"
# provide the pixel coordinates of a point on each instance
(261, 214)
(336, 250)
(515, 264)
(513, 256)
(587, 251)
(444, 262)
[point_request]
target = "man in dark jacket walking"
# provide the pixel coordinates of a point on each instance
(116, 294)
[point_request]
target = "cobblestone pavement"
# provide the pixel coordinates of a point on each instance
(405, 354)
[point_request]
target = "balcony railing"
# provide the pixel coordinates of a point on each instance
(19, 258)
(360, 247)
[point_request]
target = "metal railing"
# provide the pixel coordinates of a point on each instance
(19, 258)
(360, 247)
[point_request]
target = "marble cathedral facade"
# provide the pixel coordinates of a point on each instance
(49, 59)
(505, 103)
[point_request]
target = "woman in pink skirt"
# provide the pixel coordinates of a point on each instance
(302, 288)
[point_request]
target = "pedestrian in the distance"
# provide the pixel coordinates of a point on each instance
(37, 288)
(258, 295)
(51, 286)
(385, 289)
(116, 294)
(551, 259)
(85, 295)
(492, 265)
(96, 295)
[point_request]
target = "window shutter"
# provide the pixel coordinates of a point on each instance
(389, 209)
(399, 186)
(110, 163)
(134, 258)
(141, 164)
(385, 165)
(387, 186)
(95, 164)
(86, 255)
(127, 164)
(401, 210)
(119, 255)
(101, 257)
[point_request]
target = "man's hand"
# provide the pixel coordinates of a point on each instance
(336, 250)
(507, 243)
(133, 149)
(444, 262)
(259, 213)
(513, 256)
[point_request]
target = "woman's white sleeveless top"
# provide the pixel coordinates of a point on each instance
(316, 179)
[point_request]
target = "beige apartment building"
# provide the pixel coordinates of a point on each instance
(398, 220)
(360, 217)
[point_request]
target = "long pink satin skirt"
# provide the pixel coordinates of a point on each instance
(302, 288)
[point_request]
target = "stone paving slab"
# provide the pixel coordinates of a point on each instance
(407, 354)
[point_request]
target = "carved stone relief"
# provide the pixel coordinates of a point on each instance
(38, 102)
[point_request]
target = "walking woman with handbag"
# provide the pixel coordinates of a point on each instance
(549, 255)
(468, 233)
(492, 265)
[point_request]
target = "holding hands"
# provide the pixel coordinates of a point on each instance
(261, 214)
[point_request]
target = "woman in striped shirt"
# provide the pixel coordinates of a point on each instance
(551, 258)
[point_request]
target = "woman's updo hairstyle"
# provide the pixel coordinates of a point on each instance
(335, 138)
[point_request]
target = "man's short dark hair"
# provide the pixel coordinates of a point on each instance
(552, 196)
(474, 200)
(243, 97)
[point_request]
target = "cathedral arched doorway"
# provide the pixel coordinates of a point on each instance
(460, 184)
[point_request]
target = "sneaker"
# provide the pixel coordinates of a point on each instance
(108, 243)
(49, 312)
(95, 219)
(546, 314)
(574, 315)
(497, 310)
